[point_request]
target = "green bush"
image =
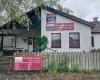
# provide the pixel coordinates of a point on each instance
(52, 68)
(95, 50)
(98, 49)
(76, 68)
(41, 43)
(63, 69)
(93, 70)
(64, 66)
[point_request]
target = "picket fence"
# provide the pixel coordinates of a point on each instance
(84, 60)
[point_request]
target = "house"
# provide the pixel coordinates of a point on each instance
(95, 33)
(65, 32)
(20, 38)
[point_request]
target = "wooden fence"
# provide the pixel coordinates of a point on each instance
(5, 63)
(86, 61)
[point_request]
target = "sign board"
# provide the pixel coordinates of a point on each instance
(51, 22)
(27, 63)
(65, 26)
(52, 25)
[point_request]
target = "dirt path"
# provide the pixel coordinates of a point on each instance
(46, 76)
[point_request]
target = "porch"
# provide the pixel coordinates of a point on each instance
(18, 40)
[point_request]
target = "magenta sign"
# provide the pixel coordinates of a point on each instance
(27, 63)
(64, 26)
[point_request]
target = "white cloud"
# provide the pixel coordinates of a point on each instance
(85, 9)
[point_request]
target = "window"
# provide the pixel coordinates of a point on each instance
(51, 22)
(1, 43)
(9, 42)
(74, 40)
(56, 40)
(29, 40)
(92, 41)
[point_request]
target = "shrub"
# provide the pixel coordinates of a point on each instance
(95, 50)
(64, 66)
(76, 68)
(52, 68)
(93, 70)
(41, 43)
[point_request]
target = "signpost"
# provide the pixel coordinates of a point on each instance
(27, 63)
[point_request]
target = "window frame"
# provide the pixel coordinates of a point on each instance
(9, 46)
(70, 46)
(52, 46)
(47, 22)
(92, 41)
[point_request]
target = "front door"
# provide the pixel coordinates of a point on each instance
(30, 44)
(1, 43)
(34, 38)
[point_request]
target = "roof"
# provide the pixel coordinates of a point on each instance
(66, 15)
(96, 26)
(59, 13)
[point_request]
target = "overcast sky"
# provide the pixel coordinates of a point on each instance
(85, 9)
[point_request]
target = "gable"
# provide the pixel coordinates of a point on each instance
(66, 15)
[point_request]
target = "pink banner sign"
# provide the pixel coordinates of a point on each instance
(27, 63)
(64, 26)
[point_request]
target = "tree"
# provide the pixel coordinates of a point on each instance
(14, 8)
